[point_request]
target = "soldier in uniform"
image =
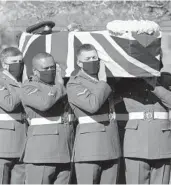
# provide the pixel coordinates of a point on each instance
(147, 148)
(48, 148)
(12, 125)
(96, 148)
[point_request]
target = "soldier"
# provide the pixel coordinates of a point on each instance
(97, 148)
(12, 125)
(147, 148)
(50, 135)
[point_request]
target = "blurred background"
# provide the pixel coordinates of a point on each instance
(15, 16)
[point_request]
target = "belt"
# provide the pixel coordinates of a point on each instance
(11, 117)
(125, 117)
(50, 120)
(142, 116)
(93, 119)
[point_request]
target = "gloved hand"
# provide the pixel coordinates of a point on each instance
(102, 72)
(59, 78)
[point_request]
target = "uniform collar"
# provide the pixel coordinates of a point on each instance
(11, 79)
(36, 79)
(85, 75)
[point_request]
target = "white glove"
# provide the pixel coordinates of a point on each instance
(59, 78)
(102, 72)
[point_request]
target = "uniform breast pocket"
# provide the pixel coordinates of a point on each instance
(45, 130)
(7, 126)
(132, 125)
(91, 128)
(166, 127)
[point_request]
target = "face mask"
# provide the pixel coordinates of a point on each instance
(91, 68)
(16, 70)
(48, 76)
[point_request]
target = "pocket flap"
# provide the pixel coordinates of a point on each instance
(91, 127)
(9, 125)
(46, 130)
(133, 124)
(166, 126)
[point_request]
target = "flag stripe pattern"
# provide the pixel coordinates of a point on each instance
(59, 49)
(113, 52)
(134, 57)
(114, 67)
(138, 52)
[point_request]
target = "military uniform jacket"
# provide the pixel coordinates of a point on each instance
(96, 135)
(147, 138)
(12, 125)
(47, 142)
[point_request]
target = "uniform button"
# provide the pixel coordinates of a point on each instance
(146, 99)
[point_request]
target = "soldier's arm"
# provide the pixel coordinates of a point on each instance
(41, 97)
(86, 99)
(164, 95)
(9, 98)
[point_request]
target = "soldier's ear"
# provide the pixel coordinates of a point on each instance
(5, 66)
(36, 73)
(80, 64)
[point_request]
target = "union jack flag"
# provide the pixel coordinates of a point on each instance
(135, 56)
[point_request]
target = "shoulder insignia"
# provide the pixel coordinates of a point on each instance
(51, 94)
(35, 90)
(2, 88)
(81, 93)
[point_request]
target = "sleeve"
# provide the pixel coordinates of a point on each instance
(41, 97)
(164, 95)
(9, 98)
(86, 99)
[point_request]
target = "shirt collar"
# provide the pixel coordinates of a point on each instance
(5, 72)
(87, 75)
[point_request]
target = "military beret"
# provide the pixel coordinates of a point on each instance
(44, 27)
(165, 80)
